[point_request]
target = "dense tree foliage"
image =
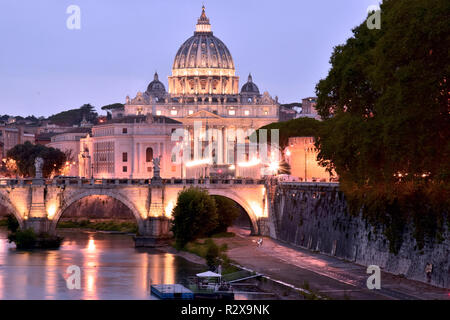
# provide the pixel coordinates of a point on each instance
(113, 106)
(301, 127)
(385, 105)
(194, 216)
(25, 155)
(197, 215)
(227, 212)
(75, 116)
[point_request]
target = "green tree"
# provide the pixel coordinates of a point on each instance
(25, 155)
(194, 216)
(301, 127)
(227, 211)
(113, 106)
(386, 128)
(11, 223)
(212, 254)
(75, 116)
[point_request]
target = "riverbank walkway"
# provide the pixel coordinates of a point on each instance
(324, 275)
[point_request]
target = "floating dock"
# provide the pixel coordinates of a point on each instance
(172, 291)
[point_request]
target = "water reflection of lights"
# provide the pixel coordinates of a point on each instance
(90, 269)
(91, 245)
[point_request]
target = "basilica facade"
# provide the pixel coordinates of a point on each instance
(203, 92)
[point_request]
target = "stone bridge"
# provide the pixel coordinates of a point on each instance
(40, 203)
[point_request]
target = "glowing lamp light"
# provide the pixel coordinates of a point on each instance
(257, 209)
(198, 162)
(250, 163)
(288, 152)
(51, 211)
(274, 166)
(169, 208)
(232, 167)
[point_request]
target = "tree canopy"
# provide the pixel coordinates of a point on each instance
(75, 116)
(197, 215)
(113, 106)
(227, 211)
(385, 105)
(25, 155)
(194, 215)
(301, 127)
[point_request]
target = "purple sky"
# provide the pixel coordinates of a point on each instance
(46, 68)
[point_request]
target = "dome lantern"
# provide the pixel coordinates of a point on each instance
(203, 64)
(203, 25)
(250, 88)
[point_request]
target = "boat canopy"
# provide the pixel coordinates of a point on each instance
(208, 274)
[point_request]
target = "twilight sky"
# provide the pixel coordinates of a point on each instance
(46, 68)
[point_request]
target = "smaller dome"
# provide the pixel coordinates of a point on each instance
(250, 87)
(156, 87)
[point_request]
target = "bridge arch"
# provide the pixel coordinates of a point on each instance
(12, 209)
(242, 202)
(99, 192)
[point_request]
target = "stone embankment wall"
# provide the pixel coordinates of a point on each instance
(316, 217)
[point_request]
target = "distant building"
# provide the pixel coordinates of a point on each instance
(301, 154)
(309, 108)
(44, 138)
(69, 143)
(203, 88)
(126, 147)
(11, 136)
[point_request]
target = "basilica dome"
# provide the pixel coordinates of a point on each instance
(203, 49)
(250, 88)
(156, 87)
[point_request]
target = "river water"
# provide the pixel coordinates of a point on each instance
(111, 268)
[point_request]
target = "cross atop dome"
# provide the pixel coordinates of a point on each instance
(203, 24)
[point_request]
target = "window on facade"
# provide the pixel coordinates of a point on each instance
(231, 112)
(158, 112)
(246, 112)
(191, 112)
(124, 157)
(124, 130)
(124, 169)
(173, 112)
(266, 112)
(149, 155)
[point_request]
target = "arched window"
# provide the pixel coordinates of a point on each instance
(149, 155)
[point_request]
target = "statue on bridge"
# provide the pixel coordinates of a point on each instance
(156, 168)
(38, 164)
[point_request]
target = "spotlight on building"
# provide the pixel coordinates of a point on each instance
(198, 162)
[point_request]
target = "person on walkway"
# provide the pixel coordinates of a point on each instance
(260, 242)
